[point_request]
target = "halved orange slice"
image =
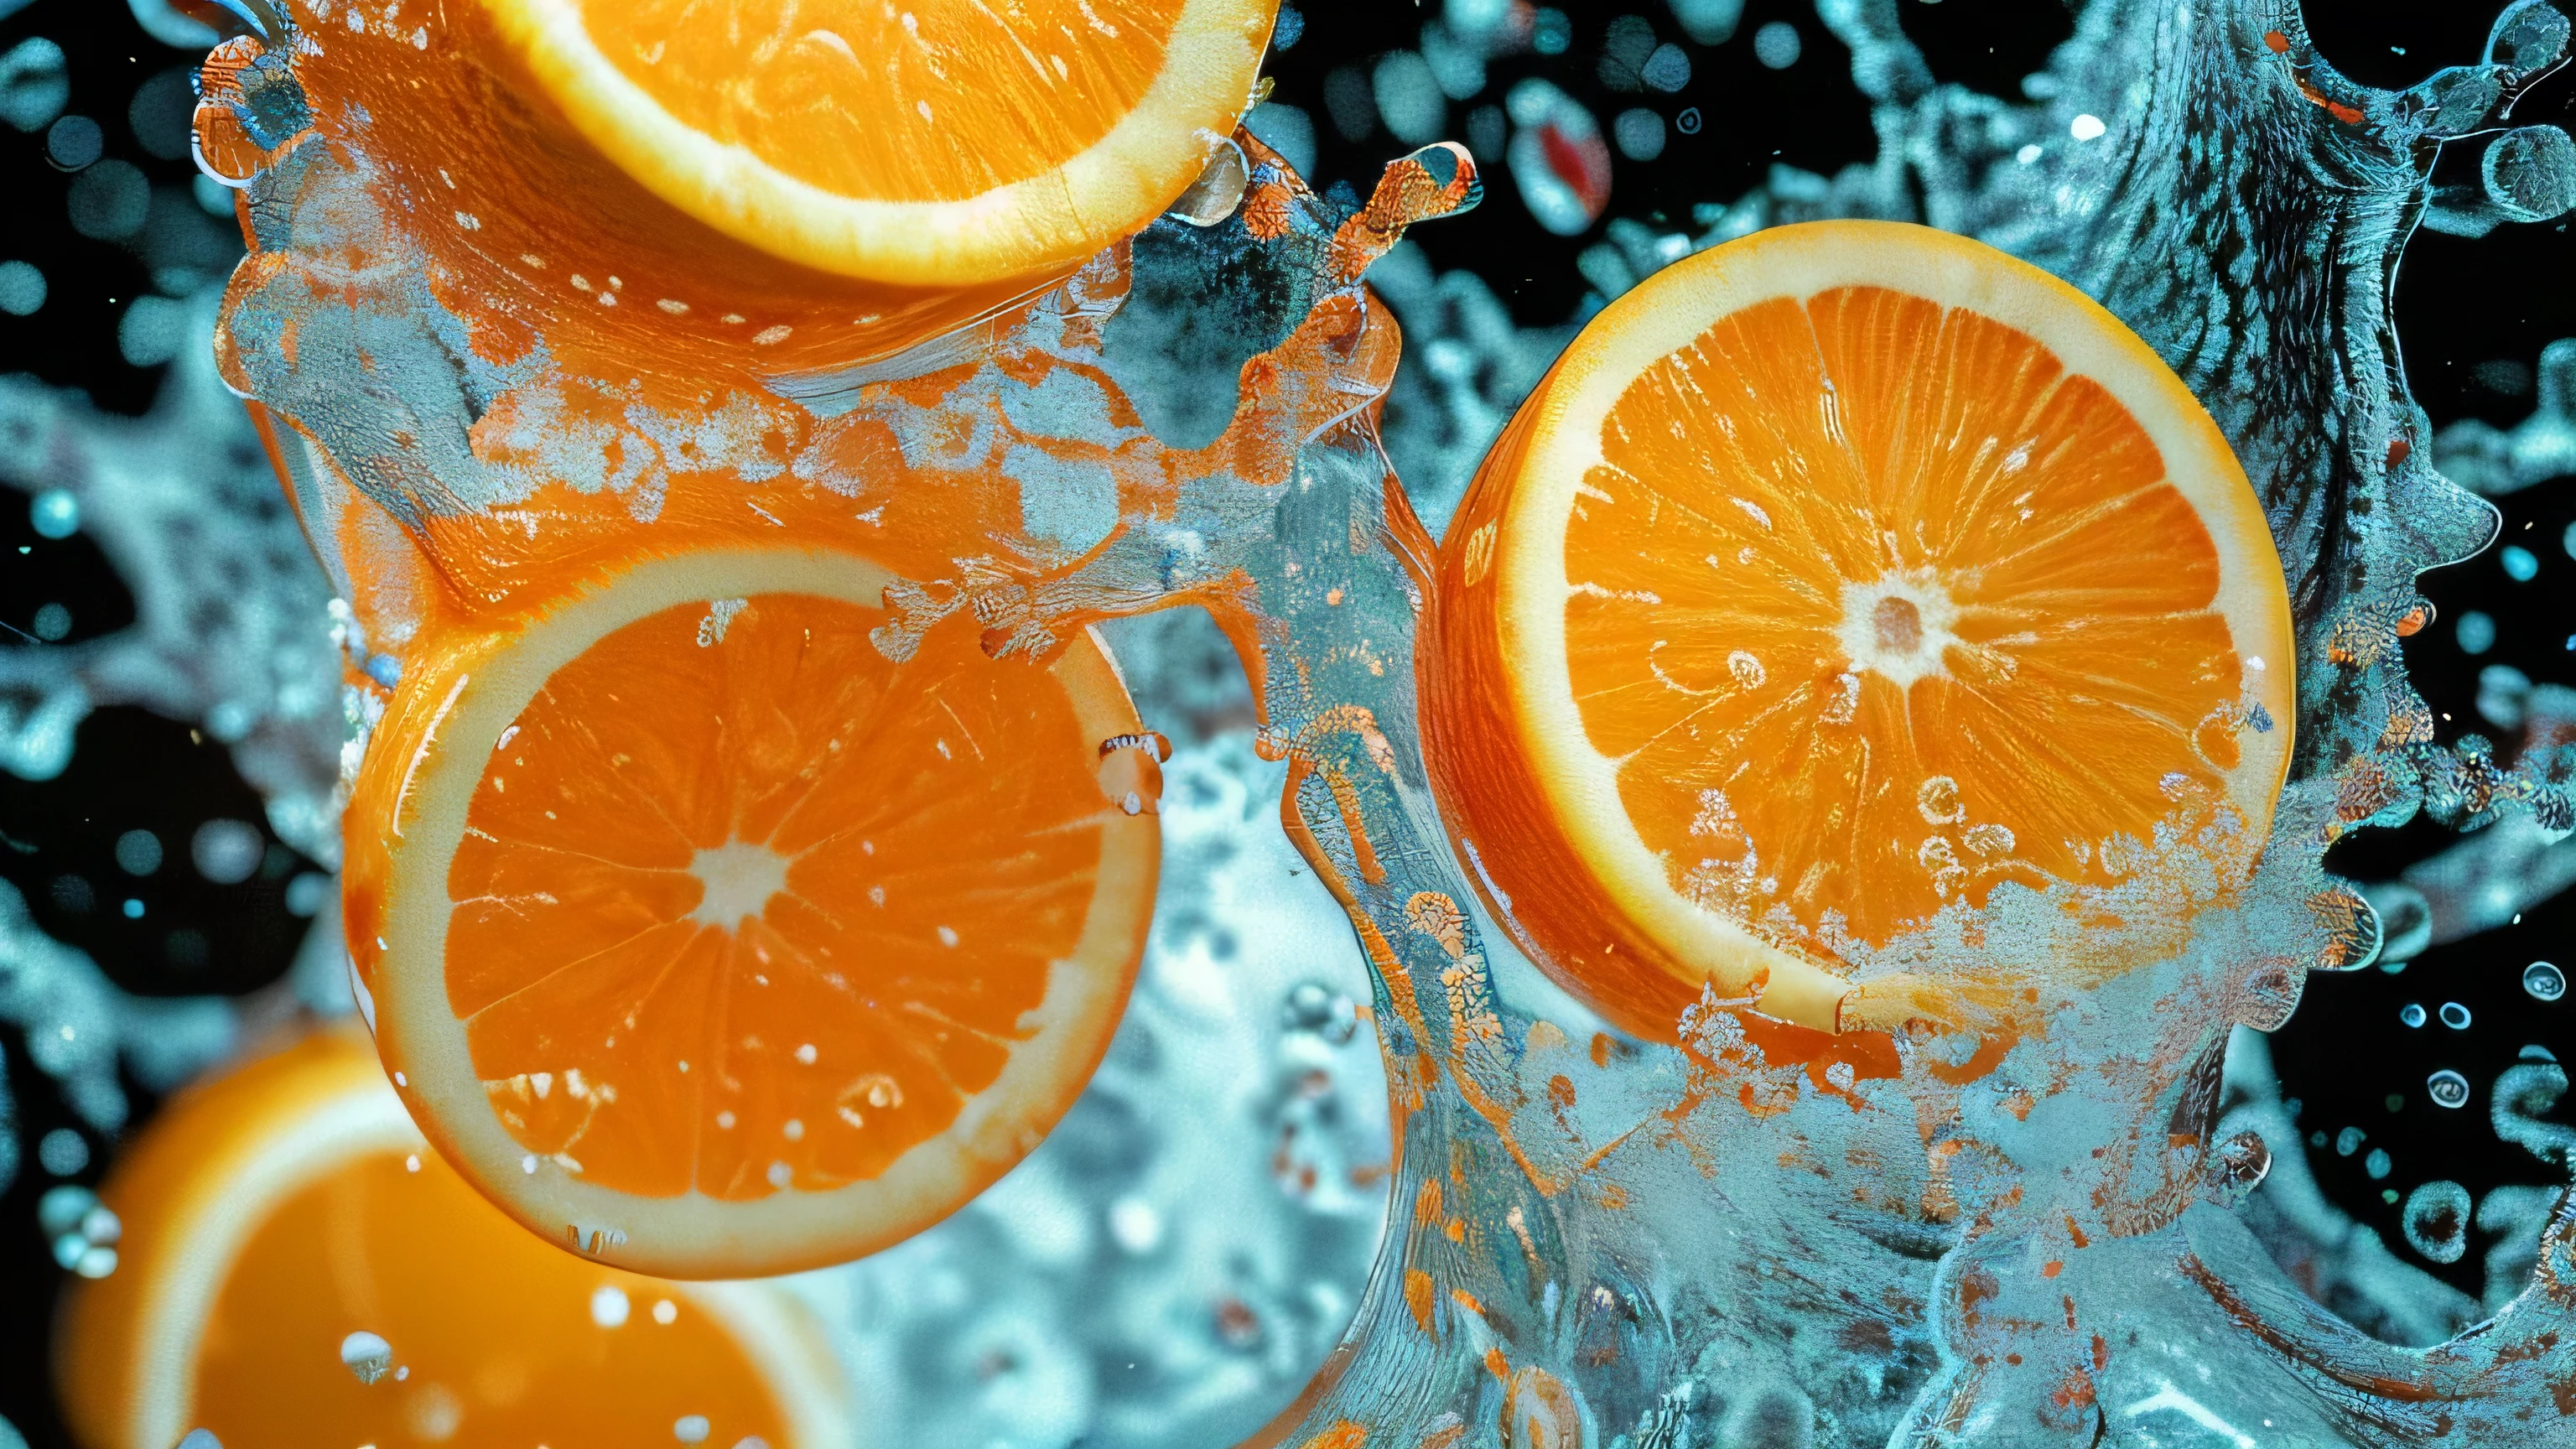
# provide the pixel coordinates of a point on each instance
(299, 1271)
(1833, 578)
(936, 142)
(710, 941)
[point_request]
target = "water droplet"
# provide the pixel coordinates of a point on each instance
(367, 1355)
(2543, 981)
(2436, 1219)
(2447, 1088)
(1313, 1006)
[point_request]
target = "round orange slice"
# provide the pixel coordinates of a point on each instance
(933, 143)
(710, 941)
(1835, 578)
(299, 1271)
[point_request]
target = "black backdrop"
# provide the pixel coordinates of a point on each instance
(2344, 1054)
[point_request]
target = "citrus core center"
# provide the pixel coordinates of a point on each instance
(1898, 625)
(739, 878)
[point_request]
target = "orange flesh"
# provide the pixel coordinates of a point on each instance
(848, 96)
(936, 826)
(494, 1327)
(1931, 485)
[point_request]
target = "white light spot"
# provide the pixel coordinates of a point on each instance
(805, 1054)
(412, 1163)
(724, 1120)
(947, 937)
(528, 1164)
(794, 1129)
(608, 1306)
(2027, 154)
(690, 1429)
(780, 1174)
(665, 1311)
(2086, 127)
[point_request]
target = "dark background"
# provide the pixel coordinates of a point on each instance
(2344, 1054)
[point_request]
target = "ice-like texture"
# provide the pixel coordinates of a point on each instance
(1758, 1238)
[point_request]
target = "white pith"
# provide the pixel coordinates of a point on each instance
(1667, 312)
(693, 1234)
(1112, 187)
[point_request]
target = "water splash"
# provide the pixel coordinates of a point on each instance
(1627, 1256)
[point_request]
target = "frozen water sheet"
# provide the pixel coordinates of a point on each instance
(1762, 1236)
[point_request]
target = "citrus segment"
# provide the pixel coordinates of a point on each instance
(717, 941)
(1833, 577)
(279, 1218)
(933, 143)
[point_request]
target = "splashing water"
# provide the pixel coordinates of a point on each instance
(2056, 1253)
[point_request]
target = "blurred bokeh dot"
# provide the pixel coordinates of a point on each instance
(307, 893)
(74, 142)
(1668, 69)
(22, 288)
(108, 201)
(138, 852)
(73, 896)
(2520, 564)
(1551, 32)
(63, 1151)
(227, 851)
(55, 513)
(152, 331)
(1777, 45)
(52, 622)
(2476, 632)
(1640, 134)
(160, 113)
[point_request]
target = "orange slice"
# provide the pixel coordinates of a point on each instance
(1834, 578)
(937, 142)
(278, 1218)
(709, 941)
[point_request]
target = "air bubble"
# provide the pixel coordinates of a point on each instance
(2543, 981)
(2437, 1221)
(1315, 1007)
(2447, 1088)
(2412, 1013)
(367, 1355)
(2455, 1016)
